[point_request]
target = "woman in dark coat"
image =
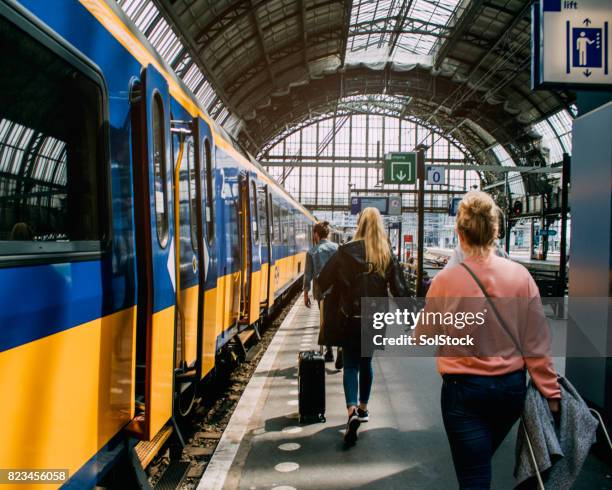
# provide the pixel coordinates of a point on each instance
(363, 267)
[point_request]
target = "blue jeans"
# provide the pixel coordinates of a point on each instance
(358, 374)
(478, 413)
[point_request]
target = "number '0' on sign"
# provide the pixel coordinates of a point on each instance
(436, 175)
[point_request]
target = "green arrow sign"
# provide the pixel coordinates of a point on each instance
(400, 168)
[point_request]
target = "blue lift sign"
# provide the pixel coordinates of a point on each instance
(571, 43)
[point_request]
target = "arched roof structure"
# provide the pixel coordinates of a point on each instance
(463, 65)
(263, 67)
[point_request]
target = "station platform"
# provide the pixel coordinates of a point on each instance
(403, 446)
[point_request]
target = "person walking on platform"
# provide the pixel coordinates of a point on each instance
(364, 267)
(458, 255)
(483, 390)
(316, 257)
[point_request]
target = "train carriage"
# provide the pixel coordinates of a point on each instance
(136, 240)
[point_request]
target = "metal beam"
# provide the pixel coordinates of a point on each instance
(347, 25)
(478, 168)
(262, 44)
(399, 25)
(348, 159)
(347, 208)
(458, 95)
(302, 7)
(466, 19)
(375, 24)
(173, 20)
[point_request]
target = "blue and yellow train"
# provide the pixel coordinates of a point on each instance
(136, 240)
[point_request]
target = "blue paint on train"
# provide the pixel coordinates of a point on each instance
(111, 283)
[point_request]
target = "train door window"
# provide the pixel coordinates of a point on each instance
(263, 219)
(209, 214)
(279, 226)
(255, 209)
(160, 170)
(272, 223)
(194, 172)
(53, 172)
(284, 225)
(291, 227)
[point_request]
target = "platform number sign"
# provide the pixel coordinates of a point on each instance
(400, 168)
(436, 175)
(571, 43)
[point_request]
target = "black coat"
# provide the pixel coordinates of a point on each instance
(346, 272)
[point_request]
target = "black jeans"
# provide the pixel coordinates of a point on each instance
(478, 413)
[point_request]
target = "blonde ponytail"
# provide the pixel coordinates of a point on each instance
(370, 229)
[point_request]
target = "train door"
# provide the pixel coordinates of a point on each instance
(206, 249)
(187, 206)
(246, 256)
(255, 242)
(156, 268)
(263, 202)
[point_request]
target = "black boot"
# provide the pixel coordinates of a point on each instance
(339, 363)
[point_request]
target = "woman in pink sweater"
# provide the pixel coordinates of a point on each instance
(483, 395)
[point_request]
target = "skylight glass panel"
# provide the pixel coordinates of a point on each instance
(374, 22)
(515, 181)
(147, 18)
(550, 141)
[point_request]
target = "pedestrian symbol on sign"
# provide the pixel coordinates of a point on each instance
(586, 47)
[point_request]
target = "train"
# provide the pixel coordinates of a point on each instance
(137, 240)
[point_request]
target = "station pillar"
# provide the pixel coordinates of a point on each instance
(589, 337)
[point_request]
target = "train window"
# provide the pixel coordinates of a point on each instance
(272, 223)
(263, 220)
(209, 215)
(279, 226)
(160, 170)
(291, 227)
(194, 171)
(284, 226)
(53, 180)
(255, 209)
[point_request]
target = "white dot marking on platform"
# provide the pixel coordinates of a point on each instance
(289, 446)
(292, 429)
(283, 487)
(286, 467)
(292, 402)
(293, 382)
(293, 392)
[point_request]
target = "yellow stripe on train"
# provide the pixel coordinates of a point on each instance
(64, 396)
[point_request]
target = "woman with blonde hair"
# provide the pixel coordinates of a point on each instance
(363, 267)
(483, 391)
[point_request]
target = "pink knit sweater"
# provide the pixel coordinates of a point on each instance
(501, 278)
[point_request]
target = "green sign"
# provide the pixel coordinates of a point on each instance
(400, 168)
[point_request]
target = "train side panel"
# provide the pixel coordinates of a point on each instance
(67, 355)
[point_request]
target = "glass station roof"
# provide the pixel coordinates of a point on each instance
(396, 29)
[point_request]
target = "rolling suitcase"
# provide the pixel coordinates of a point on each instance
(311, 384)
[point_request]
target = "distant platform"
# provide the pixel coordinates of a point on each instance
(550, 264)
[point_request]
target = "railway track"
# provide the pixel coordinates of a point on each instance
(203, 428)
